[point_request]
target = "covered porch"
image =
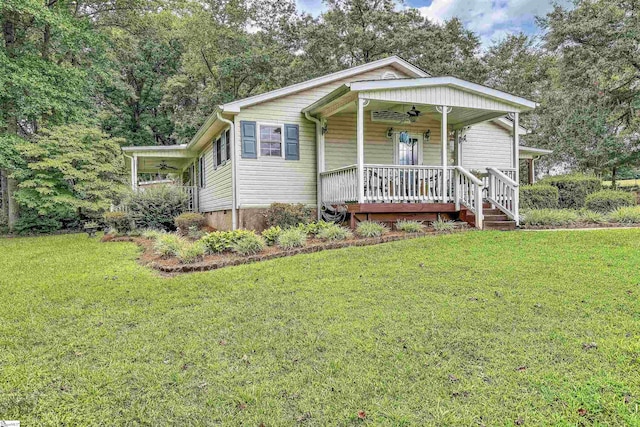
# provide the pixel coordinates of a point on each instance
(164, 165)
(413, 134)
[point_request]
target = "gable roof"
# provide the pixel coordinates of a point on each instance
(394, 61)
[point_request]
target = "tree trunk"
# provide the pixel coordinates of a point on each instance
(613, 177)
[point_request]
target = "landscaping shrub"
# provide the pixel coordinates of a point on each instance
(409, 226)
(249, 244)
(156, 207)
(221, 241)
(371, 229)
(292, 238)
(586, 216)
(573, 189)
(152, 234)
(315, 227)
(119, 221)
(546, 217)
(288, 215)
(168, 244)
(441, 226)
(186, 220)
(335, 232)
(605, 201)
(271, 234)
(626, 215)
(538, 196)
(190, 252)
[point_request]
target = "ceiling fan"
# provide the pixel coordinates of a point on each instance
(164, 166)
(413, 114)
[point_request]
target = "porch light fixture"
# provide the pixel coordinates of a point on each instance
(390, 133)
(325, 127)
(427, 135)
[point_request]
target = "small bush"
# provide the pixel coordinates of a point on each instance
(185, 221)
(441, 226)
(168, 244)
(152, 234)
(409, 226)
(271, 235)
(586, 216)
(573, 189)
(315, 227)
(249, 244)
(292, 238)
(190, 252)
(370, 229)
(119, 221)
(626, 215)
(335, 232)
(287, 215)
(156, 207)
(538, 196)
(221, 241)
(605, 201)
(547, 217)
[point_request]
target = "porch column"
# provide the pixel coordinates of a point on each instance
(516, 166)
(531, 170)
(445, 140)
(360, 148)
(134, 172)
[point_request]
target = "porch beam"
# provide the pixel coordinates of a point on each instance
(360, 148)
(480, 119)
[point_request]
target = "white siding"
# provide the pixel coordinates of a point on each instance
(216, 195)
(263, 181)
(487, 145)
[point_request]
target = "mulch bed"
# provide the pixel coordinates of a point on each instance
(579, 226)
(172, 265)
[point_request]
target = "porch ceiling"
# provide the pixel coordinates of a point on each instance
(458, 117)
(151, 158)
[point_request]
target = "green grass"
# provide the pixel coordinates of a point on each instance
(623, 183)
(429, 331)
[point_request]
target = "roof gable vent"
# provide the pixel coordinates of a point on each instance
(389, 75)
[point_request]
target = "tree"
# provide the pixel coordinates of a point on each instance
(71, 171)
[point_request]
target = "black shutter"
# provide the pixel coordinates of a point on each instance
(291, 142)
(227, 140)
(249, 140)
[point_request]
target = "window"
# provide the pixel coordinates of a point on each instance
(271, 140)
(227, 139)
(201, 177)
(218, 149)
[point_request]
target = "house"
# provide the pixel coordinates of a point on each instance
(383, 140)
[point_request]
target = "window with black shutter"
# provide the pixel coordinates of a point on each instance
(218, 148)
(227, 140)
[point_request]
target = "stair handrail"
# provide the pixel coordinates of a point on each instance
(508, 200)
(475, 205)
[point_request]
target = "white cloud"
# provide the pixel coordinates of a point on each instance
(490, 19)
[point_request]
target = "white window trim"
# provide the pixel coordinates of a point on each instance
(202, 171)
(396, 147)
(259, 142)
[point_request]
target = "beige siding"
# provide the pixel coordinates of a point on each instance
(216, 195)
(440, 95)
(340, 140)
(263, 181)
(487, 144)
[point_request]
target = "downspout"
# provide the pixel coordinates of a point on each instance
(319, 160)
(234, 187)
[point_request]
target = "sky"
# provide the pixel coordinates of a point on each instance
(491, 20)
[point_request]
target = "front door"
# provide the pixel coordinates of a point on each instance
(408, 149)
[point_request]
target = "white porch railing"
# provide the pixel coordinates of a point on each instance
(190, 191)
(399, 183)
(340, 185)
(503, 193)
(468, 192)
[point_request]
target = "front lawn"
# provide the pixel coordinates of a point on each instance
(479, 328)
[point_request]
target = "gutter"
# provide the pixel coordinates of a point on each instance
(319, 160)
(234, 187)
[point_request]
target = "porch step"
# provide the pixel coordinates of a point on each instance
(505, 225)
(496, 217)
